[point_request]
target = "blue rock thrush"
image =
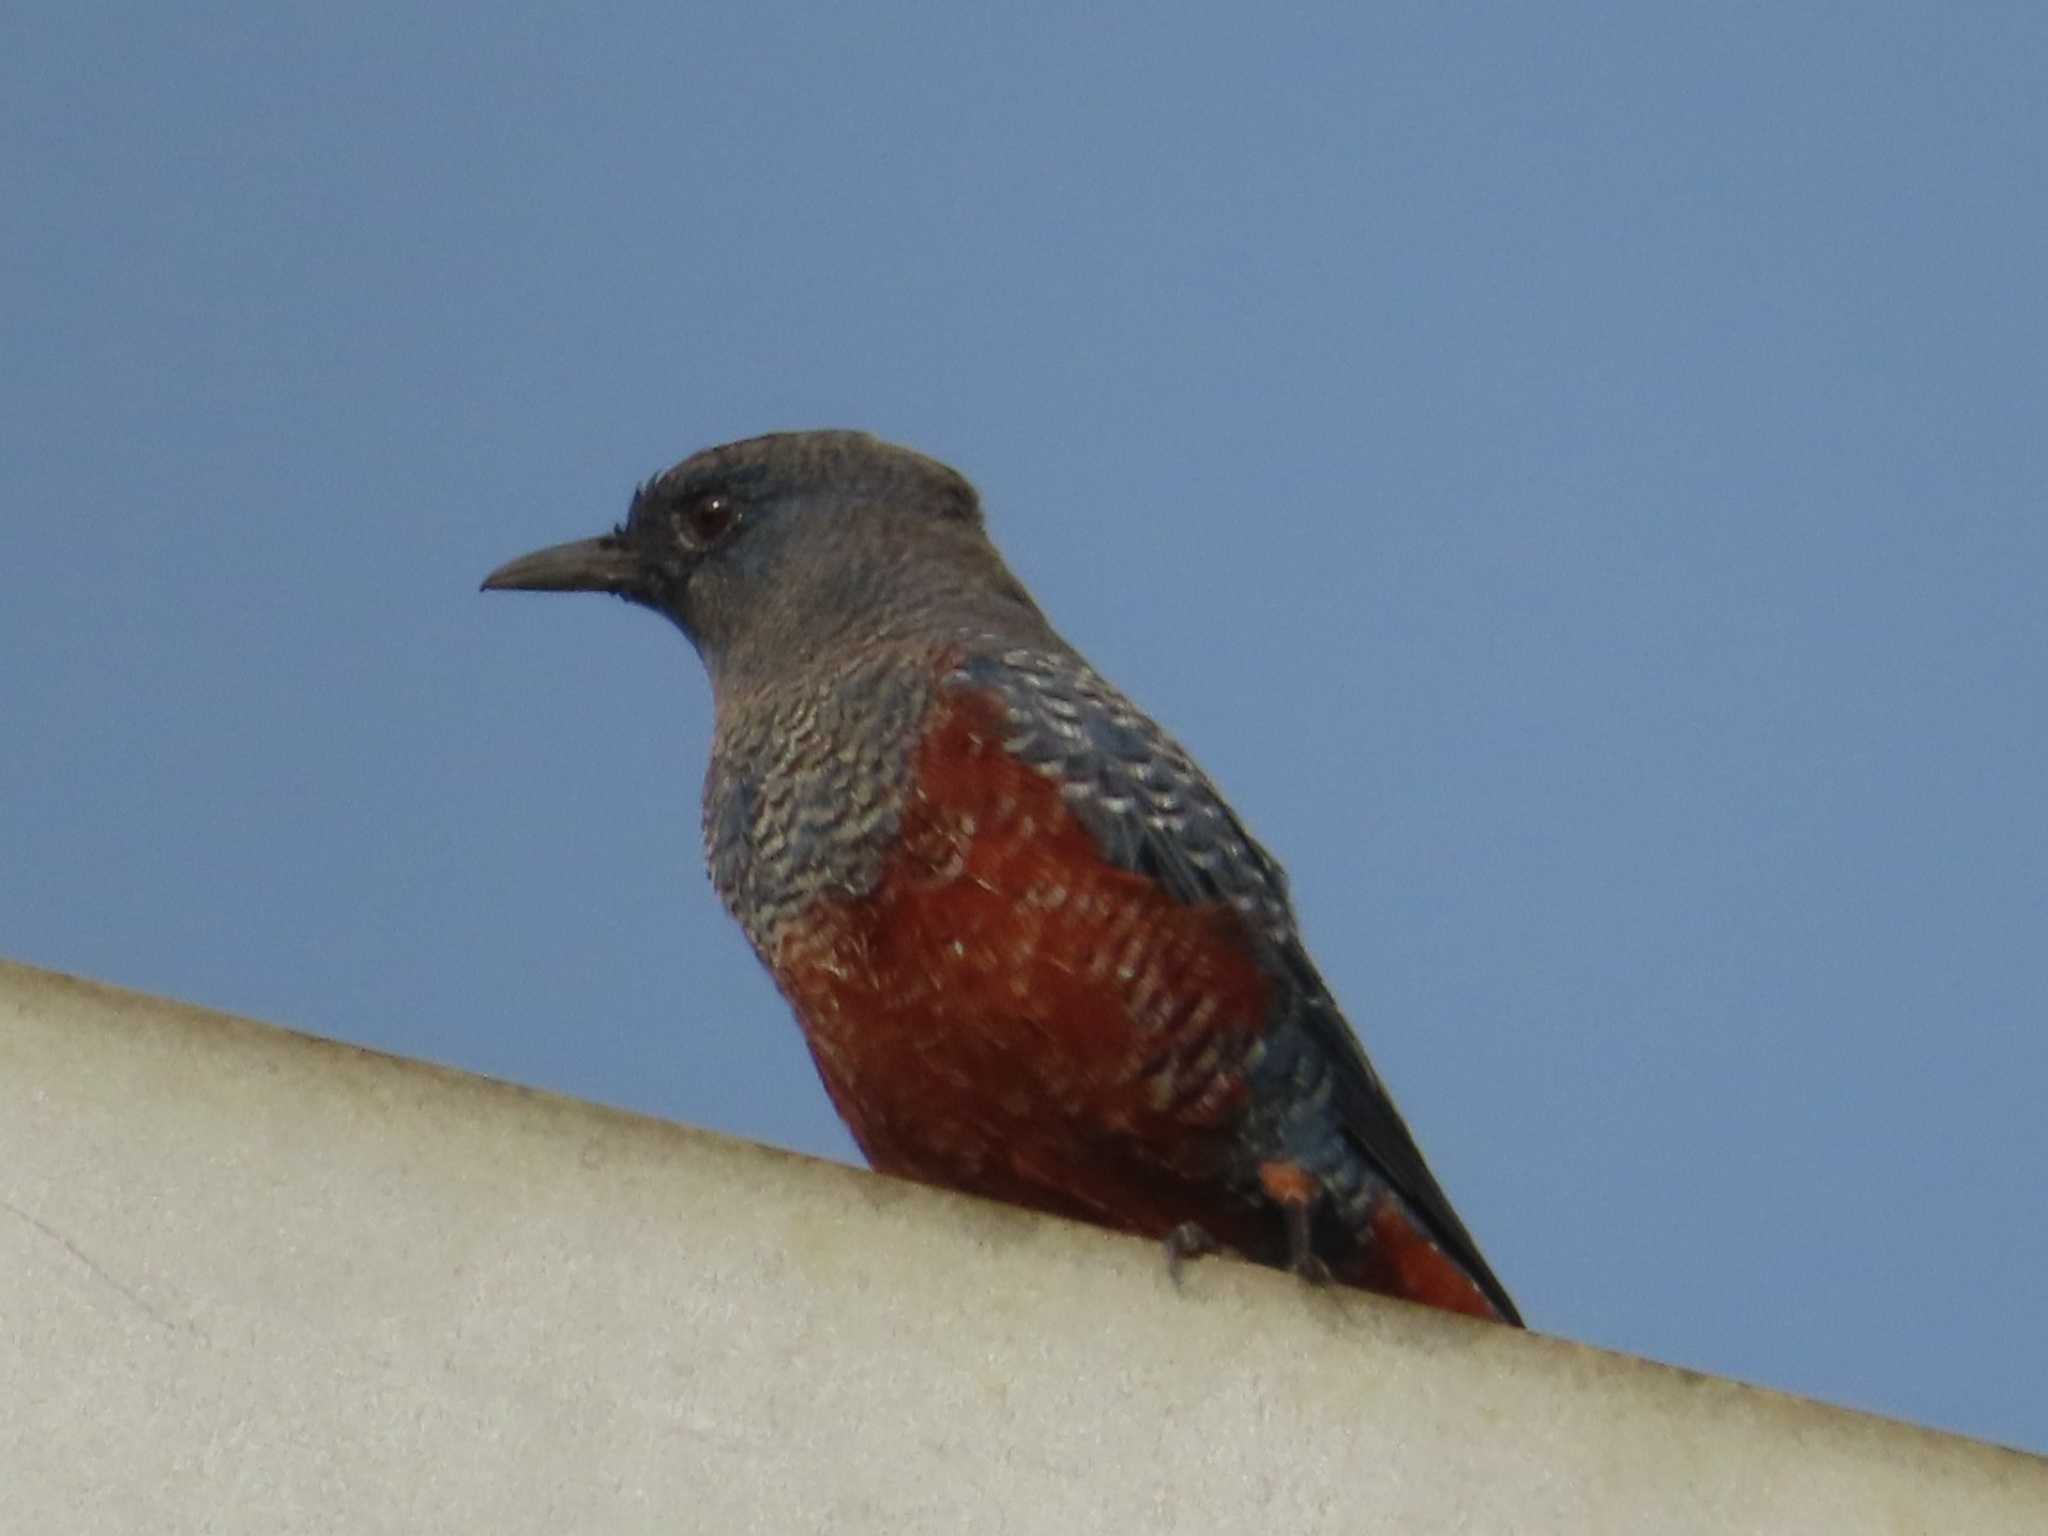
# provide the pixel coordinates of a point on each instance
(1035, 955)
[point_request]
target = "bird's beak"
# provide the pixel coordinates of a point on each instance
(588, 565)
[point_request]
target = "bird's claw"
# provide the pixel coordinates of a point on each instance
(1189, 1240)
(1302, 1257)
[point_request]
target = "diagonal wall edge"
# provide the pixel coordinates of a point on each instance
(252, 1281)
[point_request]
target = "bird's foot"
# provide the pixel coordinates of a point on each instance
(1189, 1240)
(1295, 1190)
(1302, 1257)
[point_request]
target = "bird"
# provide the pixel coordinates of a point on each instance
(1034, 954)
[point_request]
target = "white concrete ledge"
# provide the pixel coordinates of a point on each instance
(255, 1282)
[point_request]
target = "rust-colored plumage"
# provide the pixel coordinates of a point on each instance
(1007, 1014)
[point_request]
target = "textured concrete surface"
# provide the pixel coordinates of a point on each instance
(254, 1282)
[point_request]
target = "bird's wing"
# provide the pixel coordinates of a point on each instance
(1153, 812)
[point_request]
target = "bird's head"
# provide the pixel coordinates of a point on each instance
(771, 552)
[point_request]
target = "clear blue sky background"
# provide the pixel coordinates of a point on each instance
(1574, 473)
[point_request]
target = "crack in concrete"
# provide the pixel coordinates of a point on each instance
(97, 1269)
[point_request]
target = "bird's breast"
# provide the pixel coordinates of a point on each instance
(1001, 1009)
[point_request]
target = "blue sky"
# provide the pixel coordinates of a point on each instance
(1575, 475)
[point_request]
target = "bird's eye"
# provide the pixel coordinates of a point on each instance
(707, 518)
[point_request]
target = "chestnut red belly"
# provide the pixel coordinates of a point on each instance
(1009, 1014)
